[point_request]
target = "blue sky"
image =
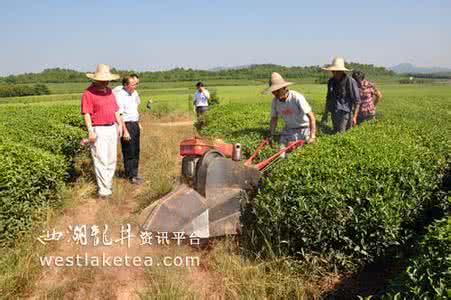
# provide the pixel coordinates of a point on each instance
(153, 35)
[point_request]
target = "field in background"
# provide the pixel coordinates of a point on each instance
(173, 96)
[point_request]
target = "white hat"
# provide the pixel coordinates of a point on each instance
(276, 83)
(338, 64)
(102, 73)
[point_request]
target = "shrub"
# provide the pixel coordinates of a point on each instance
(163, 108)
(239, 124)
(23, 90)
(37, 146)
(30, 179)
(348, 198)
(428, 275)
(323, 78)
(214, 98)
(55, 129)
(41, 89)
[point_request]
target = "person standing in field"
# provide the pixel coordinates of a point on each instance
(128, 101)
(369, 97)
(104, 124)
(120, 87)
(200, 103)
(201, 97)
(295, 111)
(136, 77)
(343, 96)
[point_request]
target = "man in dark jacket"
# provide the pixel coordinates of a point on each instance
(343, 97)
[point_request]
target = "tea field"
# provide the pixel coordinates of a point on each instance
(350, 199)
(340, 203)
(37, 145)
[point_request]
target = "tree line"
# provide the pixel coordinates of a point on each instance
(251, 72)
(442, 75)
(13, 90)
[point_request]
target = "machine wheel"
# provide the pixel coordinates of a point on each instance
(202, 168)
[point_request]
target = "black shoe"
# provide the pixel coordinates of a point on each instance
(104, 197)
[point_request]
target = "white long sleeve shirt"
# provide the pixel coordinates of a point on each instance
(201, 98)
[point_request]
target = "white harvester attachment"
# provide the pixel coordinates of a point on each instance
(208, 201)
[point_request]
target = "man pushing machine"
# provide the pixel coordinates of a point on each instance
(295, 111)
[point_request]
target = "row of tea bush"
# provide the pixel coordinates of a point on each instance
(348, 198)
(37, 147)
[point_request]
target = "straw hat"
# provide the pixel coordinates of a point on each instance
(338, 64)
(102, 73)
(276, 83)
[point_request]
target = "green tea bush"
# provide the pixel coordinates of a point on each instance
(56, 129)
(348, 198)
(214, 98)
(238, 123)
(351, 197)
(30, 179)
(37, 146)
(428, 275)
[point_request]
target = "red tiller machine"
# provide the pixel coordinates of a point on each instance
(213, 180)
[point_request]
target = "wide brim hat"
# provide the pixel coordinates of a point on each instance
(338, 64)
(276, 83)
(103, 73)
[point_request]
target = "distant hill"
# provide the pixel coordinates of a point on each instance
(251, 72)
(406, 68)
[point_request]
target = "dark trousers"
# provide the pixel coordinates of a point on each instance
(362, 117)
(130, 150)
(341, 121)
(201, 116)
(201, 110)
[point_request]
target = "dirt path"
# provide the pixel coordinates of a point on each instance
(172, 124)
(221, 272)
(159, 166)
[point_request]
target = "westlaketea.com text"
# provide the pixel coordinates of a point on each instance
(118, 261)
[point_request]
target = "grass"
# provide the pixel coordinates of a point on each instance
(17, 267)
(78, 87)
(159, 153)
(69, 287)
(272, 278)
(167, 283)
(225, 274)
(168, 97)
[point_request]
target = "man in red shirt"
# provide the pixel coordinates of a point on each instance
(104, 123)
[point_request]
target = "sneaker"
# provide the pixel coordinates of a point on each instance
(137, 180)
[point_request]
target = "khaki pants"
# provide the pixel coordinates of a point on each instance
(104, 155)
(292, 135)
